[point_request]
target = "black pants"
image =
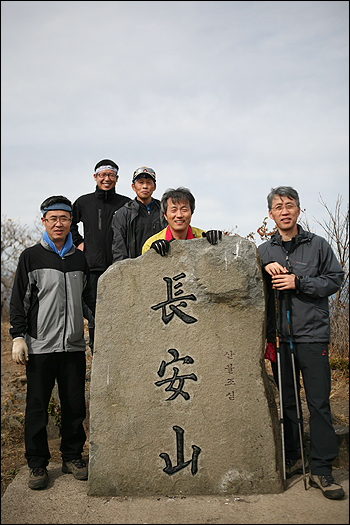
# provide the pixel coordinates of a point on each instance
(311, 359)
(94, 276)
(42, 370)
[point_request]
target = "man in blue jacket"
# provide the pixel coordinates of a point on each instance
(51, 291)
(95, 210)
(301, 268)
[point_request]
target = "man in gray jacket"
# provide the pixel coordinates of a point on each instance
(301, 272)
(50, 295)
(138, 219)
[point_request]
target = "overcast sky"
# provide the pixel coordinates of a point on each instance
(226, 98)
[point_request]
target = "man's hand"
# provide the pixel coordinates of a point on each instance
(19, 351)
(285, 281)
(275, 268)
(213, 236)
(281, 278)
(81, 246)
(161, 246)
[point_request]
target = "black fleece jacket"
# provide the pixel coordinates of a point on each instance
(95, 211)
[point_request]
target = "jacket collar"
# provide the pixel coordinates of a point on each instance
(301, 237)
(104, 195)
(134, 203)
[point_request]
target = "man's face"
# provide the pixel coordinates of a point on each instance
(285, 212)
(106, 179)
(144, 187)
(178, 215)
(57, 224)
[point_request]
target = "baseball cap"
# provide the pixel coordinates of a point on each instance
(144, 172)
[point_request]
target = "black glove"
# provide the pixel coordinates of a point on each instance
(213, 236)
(161, 246)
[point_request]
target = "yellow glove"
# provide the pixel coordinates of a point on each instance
(20, 351)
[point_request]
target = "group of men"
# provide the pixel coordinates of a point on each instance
(55, 288)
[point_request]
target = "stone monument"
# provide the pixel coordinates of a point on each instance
(180, 402)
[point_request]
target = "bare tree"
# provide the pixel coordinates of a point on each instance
(337, 234)
(14, 239)
(336, 229)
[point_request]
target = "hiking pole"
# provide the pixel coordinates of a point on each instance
(287, 301)
(278, 354)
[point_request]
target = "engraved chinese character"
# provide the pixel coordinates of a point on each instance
(181, 463)
(175, 378)
(175, 309)
(177, 390)
(187, 360)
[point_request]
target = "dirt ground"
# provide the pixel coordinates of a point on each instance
(13, 389)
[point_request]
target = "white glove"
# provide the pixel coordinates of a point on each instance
(20, 351)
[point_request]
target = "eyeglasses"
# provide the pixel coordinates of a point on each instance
(279, 208)
(107, 176)
(62, 220)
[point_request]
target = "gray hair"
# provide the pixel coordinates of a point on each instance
(179, 195)
(283, 191)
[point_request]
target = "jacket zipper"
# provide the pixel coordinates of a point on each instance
(289, 266)
(65, 313)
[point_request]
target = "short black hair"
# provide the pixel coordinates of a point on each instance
(107, 162)
(283, 191)
(55, 199)
(179, 195)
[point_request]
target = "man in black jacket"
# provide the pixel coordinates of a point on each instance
(95, 210)
(301, 272)
(138, 219)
